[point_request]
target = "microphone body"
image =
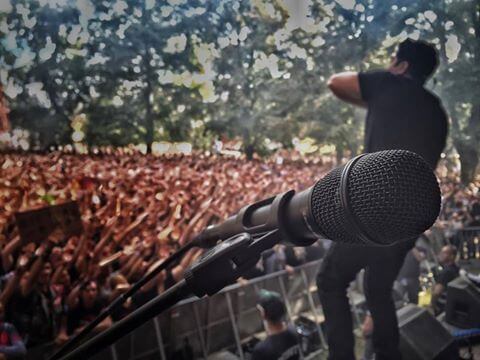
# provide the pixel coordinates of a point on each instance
(278, 212)
(375, 199)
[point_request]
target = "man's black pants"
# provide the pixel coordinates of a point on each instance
(339, 268)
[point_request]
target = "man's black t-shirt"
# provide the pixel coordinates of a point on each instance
(281, 346)
(291, 257)
(447, 274)
(314, 252)
(402, 114)
(410, 268)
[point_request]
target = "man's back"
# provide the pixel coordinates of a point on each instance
(402, 114)
(282, 346)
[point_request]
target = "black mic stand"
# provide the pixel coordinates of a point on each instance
(217, 268)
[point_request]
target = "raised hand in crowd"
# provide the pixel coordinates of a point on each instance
(137, 210)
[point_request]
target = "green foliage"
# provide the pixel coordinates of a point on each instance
(178, 70)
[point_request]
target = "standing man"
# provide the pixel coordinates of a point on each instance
(282, 342)
(402, 114)
(409, 276)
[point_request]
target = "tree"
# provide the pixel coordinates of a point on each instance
(122, 71)
(460, 79)
(40, 71)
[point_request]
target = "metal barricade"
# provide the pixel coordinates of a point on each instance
(224, 321)
(468, 242)
(221, 322)
(228, 319)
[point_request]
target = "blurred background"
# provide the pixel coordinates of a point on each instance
(160, 117)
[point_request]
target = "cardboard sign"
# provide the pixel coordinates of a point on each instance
(35, 225)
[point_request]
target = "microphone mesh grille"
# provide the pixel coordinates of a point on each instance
(326, 208)
(394, 195)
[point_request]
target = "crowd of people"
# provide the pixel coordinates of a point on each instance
(461, 204)
(136, 210)
(460, 210)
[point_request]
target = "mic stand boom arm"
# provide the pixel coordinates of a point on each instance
(217, 268)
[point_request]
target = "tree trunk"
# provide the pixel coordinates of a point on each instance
(149, 120)
(339, 149)
(468, 161)
(149, 125)
(468, 149)
(249, 151)
(248, 146)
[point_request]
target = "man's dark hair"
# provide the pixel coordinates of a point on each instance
(272, 305)
(421, 56)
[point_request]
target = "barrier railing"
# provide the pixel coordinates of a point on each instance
(228, 319)
(468, 240)
(225, 321)
(221, 322)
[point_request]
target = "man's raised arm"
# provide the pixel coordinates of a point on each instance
(346, 87)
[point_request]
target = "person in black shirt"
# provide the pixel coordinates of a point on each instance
(314, 252)
(274, 259)
(294, 256)
(409, 275)
(85, 303)
(31, 307)
(447, 259)
(282, 342)
(402, 114)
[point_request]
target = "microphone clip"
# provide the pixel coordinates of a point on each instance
(223, 264)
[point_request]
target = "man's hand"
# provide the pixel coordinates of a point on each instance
(61, 338)
(289, 269)
(419, 255)
(78, 330)
(367, 326)
(346, 87)
(56, 236)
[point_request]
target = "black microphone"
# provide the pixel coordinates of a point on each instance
(374, 199)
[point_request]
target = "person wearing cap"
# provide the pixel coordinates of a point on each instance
(282, 342)
(401, 114)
